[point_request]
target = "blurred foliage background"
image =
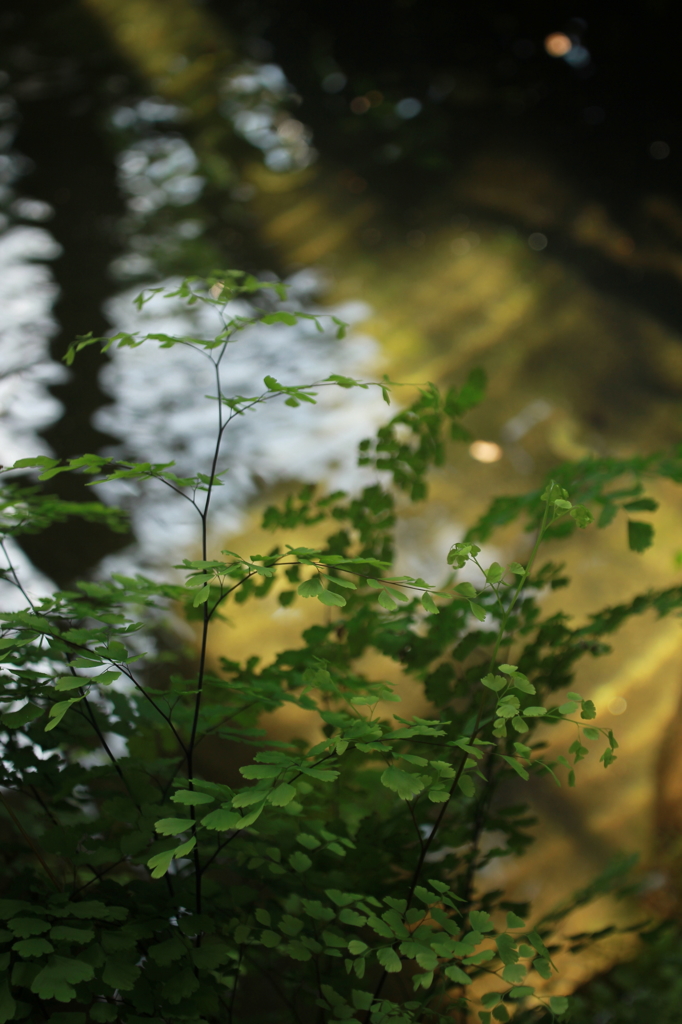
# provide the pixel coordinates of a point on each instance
(499, 185)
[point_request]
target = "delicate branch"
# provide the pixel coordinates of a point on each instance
(30, 842)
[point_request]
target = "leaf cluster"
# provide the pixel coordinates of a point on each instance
(144, 882)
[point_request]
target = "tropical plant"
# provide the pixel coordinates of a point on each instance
(333, 881)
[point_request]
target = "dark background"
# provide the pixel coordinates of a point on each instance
(486, 86)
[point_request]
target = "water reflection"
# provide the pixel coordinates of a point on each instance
(27, 293)
(159, 407)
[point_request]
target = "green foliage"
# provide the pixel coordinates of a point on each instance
(138, 888)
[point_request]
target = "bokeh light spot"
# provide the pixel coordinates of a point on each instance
(408, 108)
(537, 241)
(334, 82)
(659, 150)
(485, 451)
(618, 705)
(460, 246)
(360, 105)
(558, 44)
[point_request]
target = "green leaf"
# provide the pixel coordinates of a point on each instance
(281, 317)
(173, 826)
(386, 601)
(521, 991)
(70, 682)
(166, 952)
(403, 783)
(364, 1000)
(310, 842)
(282, 795)
(518, 768)
(514, 973)
(221, 819)
(494, 573)
(466, 784)
(15, 719)
(514, 921)
(8, 1005)
(456, 974)
(120, 975)
(300, 861)
(466, 590)
(429, 604)
(495, 683)
(477, 610)
(346, 584)
(202, 595)
(185, 848)
(64, 933)
(33, 947)
(538, 945)
(57, 712)
(191, 798)
(310, 588)
(160, 862)
(36, 462)
(543, 967)
(332, 600)
(103, 1013)
(26, 927)
(588, 710)
(481, 921)
(261, 771)
(641, 505)
(389, 960)
(558, 1005)
(517, 569)
(210, 955)
(582, 516)
(640, 535)
(57, 978)
(534, 712)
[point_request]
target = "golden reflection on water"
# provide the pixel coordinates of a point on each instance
(610, 376)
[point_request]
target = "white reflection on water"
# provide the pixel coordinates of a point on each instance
(27, 292)
(160, 412)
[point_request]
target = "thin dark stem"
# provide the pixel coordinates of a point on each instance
(98, 875)
(481, 708)
(48, 812)
(426, 846)
(204, 634)
(17, 582)
(233, 995)
(30, 842)
(283, 997)
(166, 717)
(106, 747)
(223, 721)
